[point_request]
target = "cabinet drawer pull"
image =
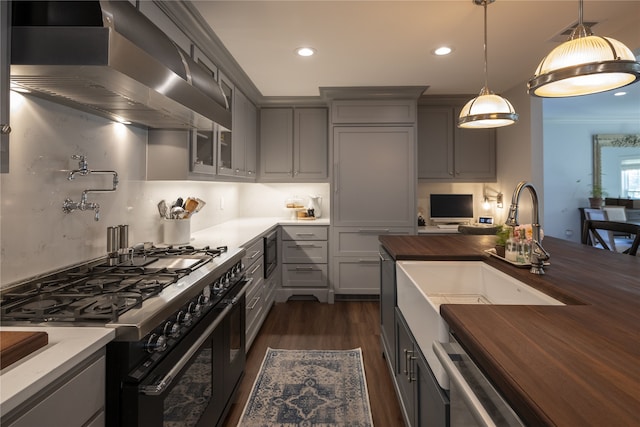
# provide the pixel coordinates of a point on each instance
(255, 254)
(255, 269)
(305, 234)
(299, 246)
(368, 261)
(304, 269)
(373, 230)
(253, 303)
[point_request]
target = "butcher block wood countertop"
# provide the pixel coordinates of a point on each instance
(573, 365)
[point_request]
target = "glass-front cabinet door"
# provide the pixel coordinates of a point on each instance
(203, 151)
(225, 146)
(203, 141)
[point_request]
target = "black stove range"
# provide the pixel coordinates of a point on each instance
(178, 313)
(133, 296)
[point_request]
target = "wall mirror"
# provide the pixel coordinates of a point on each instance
(616, 164)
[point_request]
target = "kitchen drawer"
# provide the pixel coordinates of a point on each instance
(304, 276)
(297, 232)
(269, 292)
(356, 275)
(304, 252)
(254, 251)
(75, 400)
(362, 241)
(254, 298)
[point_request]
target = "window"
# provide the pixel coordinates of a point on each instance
(630, 177)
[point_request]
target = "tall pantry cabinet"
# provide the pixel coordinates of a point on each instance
(373, 185)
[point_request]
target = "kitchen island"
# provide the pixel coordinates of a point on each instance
(569, 365)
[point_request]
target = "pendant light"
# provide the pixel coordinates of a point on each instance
(583, 65)
(487, 110)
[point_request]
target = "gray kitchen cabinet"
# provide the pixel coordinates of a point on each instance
(181, 154)
(374, 176)
(152, 11)
(374, 183)
(293, 144)
(4, 85)
(388, 302)
(448, 153)
(400, 111)
(226, 152)
(304, 258)
(203, 142)
(237, 148)
(76, 399)
(255, 307)
(250, 119)
(423, 401)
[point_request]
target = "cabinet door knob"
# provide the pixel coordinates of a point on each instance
(5, 129)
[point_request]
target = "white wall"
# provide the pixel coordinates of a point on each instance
(520, 154)
(568, 169)
(36, 236)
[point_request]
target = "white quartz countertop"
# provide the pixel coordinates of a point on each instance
(67, 347)
(239, 232)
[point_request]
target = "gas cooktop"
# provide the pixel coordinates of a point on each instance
(99, 292)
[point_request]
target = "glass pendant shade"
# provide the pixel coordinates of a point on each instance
(583, 65)
(487, 110)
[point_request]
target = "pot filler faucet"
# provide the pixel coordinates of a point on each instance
(538, 254)
(83, 205)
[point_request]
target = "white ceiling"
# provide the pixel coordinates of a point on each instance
(389, 43)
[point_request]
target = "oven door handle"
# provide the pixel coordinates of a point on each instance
(160, 386)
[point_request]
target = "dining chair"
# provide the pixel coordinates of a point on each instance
(616, 213)
(607, 236)
(601, 233)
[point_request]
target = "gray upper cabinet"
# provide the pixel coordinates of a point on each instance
(293, 144)
(374, 111)
(374, 176)
(4, 86)
(250, 118)
(448, 153)
(162, 21)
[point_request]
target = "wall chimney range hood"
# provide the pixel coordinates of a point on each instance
(106, 58)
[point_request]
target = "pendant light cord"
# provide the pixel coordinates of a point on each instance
(486, 67)
(580, 16)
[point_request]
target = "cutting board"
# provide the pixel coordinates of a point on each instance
(14, 345)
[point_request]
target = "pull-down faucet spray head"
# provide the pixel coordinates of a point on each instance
(538, 254)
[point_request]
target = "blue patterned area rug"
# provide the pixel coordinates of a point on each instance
(309, 388)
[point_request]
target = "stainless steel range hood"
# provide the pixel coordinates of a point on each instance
(107, 58)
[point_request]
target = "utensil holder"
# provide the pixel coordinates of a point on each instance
(176, 231)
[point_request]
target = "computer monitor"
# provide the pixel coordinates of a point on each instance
(451, 208)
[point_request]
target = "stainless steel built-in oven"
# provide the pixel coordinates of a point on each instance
(191, 386)
(270, 253)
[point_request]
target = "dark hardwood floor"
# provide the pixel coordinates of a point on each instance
(310, 325)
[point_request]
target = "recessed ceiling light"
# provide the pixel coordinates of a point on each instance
(620, 94)
(305, 51)
(441, 51)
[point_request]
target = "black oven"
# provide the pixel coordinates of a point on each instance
(194, 384)
(270, 253)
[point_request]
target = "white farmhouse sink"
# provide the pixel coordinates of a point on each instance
(424, 285)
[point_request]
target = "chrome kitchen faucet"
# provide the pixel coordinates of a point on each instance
(538, 254)
(83, 170)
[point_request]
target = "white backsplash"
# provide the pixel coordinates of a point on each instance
(37, 236)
